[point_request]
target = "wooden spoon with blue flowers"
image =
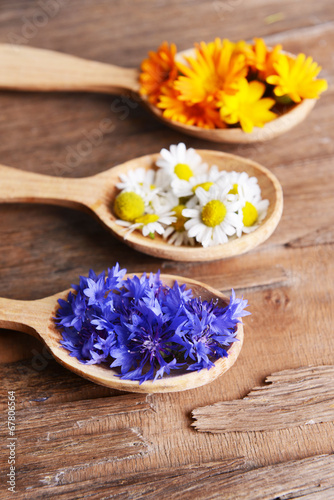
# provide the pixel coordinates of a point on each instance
(146, 333)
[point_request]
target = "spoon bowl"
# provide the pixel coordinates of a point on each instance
(36, 318)
(32, 69)
(96, 194)
(236, 135)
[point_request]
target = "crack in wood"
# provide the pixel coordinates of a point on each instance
(321, 236)
(291, 398)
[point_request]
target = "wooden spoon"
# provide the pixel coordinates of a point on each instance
(36, 318)
(31, 69)
(96, 194)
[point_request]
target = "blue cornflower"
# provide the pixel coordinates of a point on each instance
(175, 299)
(72, 342)
(115, 277)
(144, 328)
(65, 313)
(136, 288)
(73, 312)
(204, 335)
(95, 291)
(236, 307)
(146, 346)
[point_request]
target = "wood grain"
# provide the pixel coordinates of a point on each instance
(309, 479)
(41, 380)
(288, 280)
(293, 397)
(77, 435)
(81, 413)
(76, 448)
(259, 276)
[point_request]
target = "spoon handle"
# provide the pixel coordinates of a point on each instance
(20, 315)
(31, 69)
(26, 187)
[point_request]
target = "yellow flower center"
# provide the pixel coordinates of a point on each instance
(213, 213)
(179, 224)
(147, 219)
(204, 185)
(128, 206)
(234, 189)
(250, 214)
(183, 171)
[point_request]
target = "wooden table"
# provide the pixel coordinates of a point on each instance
(79, 440)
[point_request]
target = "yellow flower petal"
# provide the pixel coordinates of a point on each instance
(256, 91)
(247, 106)
(297, 78)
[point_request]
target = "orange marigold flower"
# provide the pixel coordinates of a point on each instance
(158, 72)
(215, 67)
(246, 106)
(214, 48)
(296, 78)
(200, 115)
(263, 59)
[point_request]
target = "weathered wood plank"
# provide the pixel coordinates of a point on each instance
(288, 328)
(76, 436)
(54, 451)
(311, 478)
(43, 249)
(297, 397)
(144, 37)
(80, 413)
(156, 483)
(40, 379)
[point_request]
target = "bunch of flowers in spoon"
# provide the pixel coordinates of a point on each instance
(144, 328)
(224, 84)
(187, 202)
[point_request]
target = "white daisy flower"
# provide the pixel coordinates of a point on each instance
(180, 162)
(140, 181)
(216, 218)
(176, 233)
(241, 181)
(149, 223)
(183, 188)
(253, 211)
(140, 176)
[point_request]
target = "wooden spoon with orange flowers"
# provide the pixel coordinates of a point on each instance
(217, 91)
